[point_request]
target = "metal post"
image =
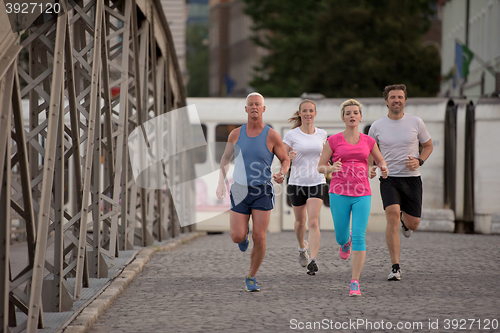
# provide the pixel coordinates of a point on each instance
(121, 162)
(95, 188)
(107, 147)
(467, 15)
(152, 43)
(48, 175)
(497, 84)
(22, 156)
(140, 53)
(57, 283)
(93, 113)
(5, 144)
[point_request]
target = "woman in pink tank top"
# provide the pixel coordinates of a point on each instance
(350, 192)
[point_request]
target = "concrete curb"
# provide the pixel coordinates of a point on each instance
(437, 220)
(495, 223)
(90, 312)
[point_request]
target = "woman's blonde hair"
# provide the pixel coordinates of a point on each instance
(349, 102)
(295, 119)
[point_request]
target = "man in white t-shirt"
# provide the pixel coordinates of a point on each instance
(398, 136)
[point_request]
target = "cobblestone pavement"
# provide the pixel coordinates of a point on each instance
(449, 283)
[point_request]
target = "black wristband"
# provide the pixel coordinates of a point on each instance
(420, 161)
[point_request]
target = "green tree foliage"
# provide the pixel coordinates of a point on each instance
(197, 60)
(343, 48)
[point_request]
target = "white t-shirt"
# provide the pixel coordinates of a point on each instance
(304, 171)
(399, 139)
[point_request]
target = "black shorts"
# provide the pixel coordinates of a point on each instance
(403, 191)
(299, 194)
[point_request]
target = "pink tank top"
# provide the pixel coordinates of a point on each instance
(352, 179)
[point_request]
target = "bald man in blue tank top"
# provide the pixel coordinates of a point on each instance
(253, 146)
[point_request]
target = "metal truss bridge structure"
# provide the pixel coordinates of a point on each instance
(91, 71)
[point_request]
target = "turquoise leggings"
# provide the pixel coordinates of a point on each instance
(341, 207)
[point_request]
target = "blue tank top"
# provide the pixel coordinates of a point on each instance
(252, 163)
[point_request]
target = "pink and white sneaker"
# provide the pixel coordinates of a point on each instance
(345, 250)
(354, 288)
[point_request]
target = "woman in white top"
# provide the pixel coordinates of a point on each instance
(306, 186)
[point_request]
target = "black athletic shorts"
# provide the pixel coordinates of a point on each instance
(299, 194)
(403, 191)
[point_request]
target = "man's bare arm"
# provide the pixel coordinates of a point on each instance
(280, 151)
(225, 162)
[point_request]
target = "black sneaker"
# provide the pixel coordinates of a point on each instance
(312, 267)
(395, 274)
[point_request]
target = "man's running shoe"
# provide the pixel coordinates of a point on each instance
(243, 245)
(312, 267)
(354, 288)
(304, 256)
(345, 250)
(395, 274)
(405, 231)
(251, 284)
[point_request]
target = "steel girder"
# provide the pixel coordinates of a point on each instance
(66, 173)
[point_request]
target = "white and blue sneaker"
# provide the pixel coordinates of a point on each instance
(303, 255)
(243, 245)
(251, 284)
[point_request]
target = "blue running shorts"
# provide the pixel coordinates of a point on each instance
(245, 198)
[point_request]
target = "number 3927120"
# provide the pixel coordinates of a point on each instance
(33, 7)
